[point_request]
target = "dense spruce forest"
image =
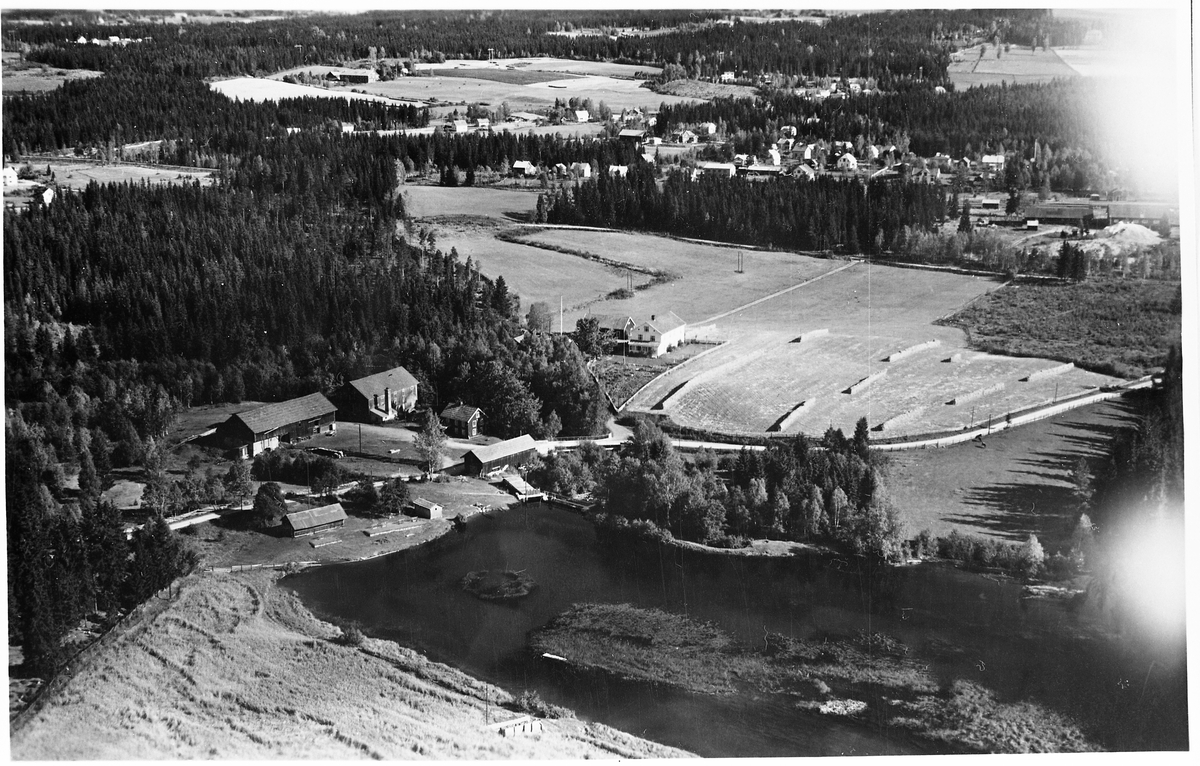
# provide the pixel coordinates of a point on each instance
(888, 45)
(129, 107)
(294, 271)
(825, 213)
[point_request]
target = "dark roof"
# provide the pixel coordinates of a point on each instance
(396, 379)
(421, 502)
(271, 416)
(1060, 211)
(315, 517)
(501, 450)
(614, 322)
(463, 412)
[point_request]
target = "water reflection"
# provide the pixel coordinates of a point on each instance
(961, 625)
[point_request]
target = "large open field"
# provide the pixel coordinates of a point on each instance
(432, 202)
(263, 89)
(77, 175)
(233, 667)
(546, 64)
(1019, 483)
(616, 93)
(870, 312)
(1018, 65)
(705, 281)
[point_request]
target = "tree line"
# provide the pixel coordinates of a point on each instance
(827, 490)
(808, 215)
(888, 45)
(130, 107)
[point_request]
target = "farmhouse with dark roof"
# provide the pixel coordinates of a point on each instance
(262, 428)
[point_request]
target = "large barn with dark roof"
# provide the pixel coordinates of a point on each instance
(376, 398)
(262, 428)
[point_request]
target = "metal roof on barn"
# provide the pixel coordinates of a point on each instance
(316, 517)
(501, 450)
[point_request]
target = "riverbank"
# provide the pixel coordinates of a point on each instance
(232, 666)
(868, 678)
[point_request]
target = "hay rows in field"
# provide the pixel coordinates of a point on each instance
(807, 336)
(912, 350)
(978, 393)
(865, 382)
(676, 395)
(901, 419)
(790, 419)
(1048, 372)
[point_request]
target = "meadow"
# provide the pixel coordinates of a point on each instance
(77, 175)
(706, 282)
(234, 667)
(1018, 65)
(30, 77)
(1117, 326)
(463, 88)
(263, 89)
(1019, 481)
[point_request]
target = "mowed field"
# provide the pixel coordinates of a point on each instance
(263, 89)
(706, 281)
(1019, 483)
(616, 93)
(1016, 66)
(77, 175)
(870, 312)
(439, 201)
(550, 65)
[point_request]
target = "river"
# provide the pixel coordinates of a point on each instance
(963, 625)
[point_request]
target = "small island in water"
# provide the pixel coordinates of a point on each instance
(498, 586)
(865, 677)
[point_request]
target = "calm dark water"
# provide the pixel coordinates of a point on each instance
(962, 625)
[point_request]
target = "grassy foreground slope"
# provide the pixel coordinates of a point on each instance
(235, 667)
(1113, 326)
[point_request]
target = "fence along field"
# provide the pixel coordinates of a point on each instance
(758, 380)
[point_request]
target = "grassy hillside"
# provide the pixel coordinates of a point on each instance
(235, 668)
(1114, 326)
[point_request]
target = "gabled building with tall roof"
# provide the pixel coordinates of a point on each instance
(376, 398)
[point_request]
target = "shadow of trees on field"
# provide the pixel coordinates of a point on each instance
(1040, 497)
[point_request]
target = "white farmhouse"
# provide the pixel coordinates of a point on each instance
(847, 162)
(657, 335)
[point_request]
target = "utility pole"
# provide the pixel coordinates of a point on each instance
(560, 320)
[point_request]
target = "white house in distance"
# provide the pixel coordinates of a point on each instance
(524, 168)
(657, 335)
(10, 177)
(993, 161)
(581, 115)
(618, 170)
(847, 162)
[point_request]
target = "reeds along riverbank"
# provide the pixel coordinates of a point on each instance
(868, 677)
(236, 667)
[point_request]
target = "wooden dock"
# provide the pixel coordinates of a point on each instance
(523, 489)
